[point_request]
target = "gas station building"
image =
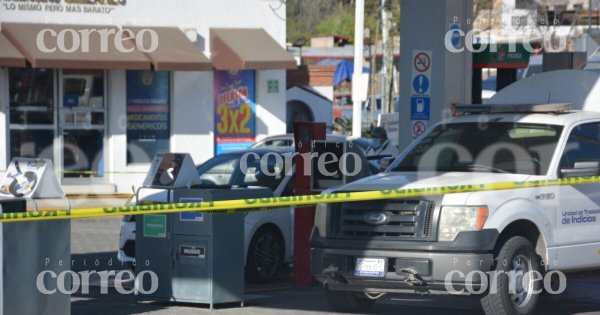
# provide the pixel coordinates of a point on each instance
(100, 108)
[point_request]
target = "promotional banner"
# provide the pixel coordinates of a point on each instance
(235, 124)
(148, 127)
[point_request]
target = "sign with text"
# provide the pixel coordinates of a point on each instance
(155, 225)
(148, 127)
(235, 125)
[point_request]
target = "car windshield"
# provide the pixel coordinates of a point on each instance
(243, 169)
(484, 147)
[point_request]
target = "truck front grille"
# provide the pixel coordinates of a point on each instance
(386, 219)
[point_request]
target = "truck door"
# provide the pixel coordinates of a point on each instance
(578, 217)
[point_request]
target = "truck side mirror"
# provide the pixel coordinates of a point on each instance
(582, 168)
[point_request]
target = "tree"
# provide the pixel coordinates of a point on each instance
(331, 17)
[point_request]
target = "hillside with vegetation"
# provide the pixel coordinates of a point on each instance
(333, 17)
(336, 17)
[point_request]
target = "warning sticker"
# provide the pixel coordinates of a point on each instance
(418, 128)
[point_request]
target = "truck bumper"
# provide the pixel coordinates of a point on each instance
(432, 271)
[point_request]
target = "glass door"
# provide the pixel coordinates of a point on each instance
(82, 125)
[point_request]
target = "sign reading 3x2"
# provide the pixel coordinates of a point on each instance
(234, 121)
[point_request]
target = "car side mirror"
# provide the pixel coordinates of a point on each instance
(582, 168)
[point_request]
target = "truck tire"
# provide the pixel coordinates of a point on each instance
(265, 255)
(348, 302)
(517, 254)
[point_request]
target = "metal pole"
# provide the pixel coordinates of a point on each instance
(385, 61)
(358, 66)
(589, 13)
(371, 119)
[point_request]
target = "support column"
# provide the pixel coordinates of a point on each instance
(432, 78)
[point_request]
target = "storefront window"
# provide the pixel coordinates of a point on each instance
(31, 117)
(31, 144)
(148, 117)
(82, 123)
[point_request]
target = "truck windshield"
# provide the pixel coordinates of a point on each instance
(496, 147)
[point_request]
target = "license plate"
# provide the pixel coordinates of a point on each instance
(370, 267)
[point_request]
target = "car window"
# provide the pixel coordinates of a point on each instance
(264, 172)
(278, 143)
(275, 143)
(583, 144)
(219, 170)
(226, 170)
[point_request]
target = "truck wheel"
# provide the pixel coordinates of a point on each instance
(348, 302)
(265, 255)
(516, 259)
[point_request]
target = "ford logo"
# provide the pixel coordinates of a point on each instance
(376, 218)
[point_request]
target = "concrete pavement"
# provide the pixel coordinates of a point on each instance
(97, 239)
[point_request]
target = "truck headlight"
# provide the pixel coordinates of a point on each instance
(457, 219)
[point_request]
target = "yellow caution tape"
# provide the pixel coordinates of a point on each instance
(261, 204)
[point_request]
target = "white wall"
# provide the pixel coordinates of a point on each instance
(270, 107)
(326, 91)
(198, 14)
(4, 112)
(192, 117)
(320, 107)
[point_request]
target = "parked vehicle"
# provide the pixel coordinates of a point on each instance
(267, 235)
(287, 140)
(436, 244)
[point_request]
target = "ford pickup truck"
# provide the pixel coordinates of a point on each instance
(506, 246)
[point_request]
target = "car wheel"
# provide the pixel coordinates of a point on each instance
(265, 255)
(348, 302)
(513, 293)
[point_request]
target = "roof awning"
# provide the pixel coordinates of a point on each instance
(94, 53)
(237, 49)
(9, 55)
(174, 52)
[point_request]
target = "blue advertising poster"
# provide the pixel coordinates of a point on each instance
(235, 125)
(148, 127)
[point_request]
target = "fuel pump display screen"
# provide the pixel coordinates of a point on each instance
(168, 169)
(22, 177)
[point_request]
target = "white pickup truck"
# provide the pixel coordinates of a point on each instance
(491, 243)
